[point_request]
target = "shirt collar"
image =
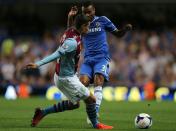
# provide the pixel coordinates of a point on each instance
(95, 18)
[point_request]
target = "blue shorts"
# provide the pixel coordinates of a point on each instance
(90, 67)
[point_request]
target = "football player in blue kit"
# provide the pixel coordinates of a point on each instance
(96, 50)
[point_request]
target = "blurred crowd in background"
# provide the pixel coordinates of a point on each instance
(30, 31)
(137, 58)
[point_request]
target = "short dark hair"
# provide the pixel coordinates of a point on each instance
(80, 20)
(87, 3)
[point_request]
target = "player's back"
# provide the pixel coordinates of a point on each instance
(95, 41)
(67, 64)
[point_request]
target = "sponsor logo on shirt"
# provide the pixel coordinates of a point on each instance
(95, 29)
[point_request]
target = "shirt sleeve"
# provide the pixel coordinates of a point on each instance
(69, 45)
(109, 26)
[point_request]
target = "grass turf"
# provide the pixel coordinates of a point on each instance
(16, 116)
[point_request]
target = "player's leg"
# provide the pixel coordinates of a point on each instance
(60, 106)
(85, 80)
(98, 83)
(86, 74)
(82, 93)
(91, 110)
(90, 102)
(64, 84)
(101, 73)
(101, 69)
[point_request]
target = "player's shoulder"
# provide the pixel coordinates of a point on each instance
(104, 18)
(100, 19)
(70, 44)
(70, 41)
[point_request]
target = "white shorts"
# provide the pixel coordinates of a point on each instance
(71, 87)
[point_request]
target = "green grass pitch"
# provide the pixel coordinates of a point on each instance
(16, 116)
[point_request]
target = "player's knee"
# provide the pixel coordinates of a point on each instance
(84, 80)
(90, 100)
(77, 105)
(98, 80)
(73, 106)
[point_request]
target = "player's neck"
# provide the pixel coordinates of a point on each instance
(92, 18)
(78, 31)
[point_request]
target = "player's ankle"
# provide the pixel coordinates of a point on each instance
(96, 125)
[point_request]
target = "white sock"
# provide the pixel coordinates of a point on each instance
(98, 95)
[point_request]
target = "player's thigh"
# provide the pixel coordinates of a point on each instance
(73, 89)
(86, 70)
(63, 84)
(101, 67)
(60, 82)
(81, 90)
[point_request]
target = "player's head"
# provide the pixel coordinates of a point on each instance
(82, 23)
(88, 9)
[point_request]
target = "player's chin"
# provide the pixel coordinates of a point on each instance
(85, 32)
(91, 17)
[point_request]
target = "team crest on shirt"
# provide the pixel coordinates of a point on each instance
(97, 28)
(97, 24)
(65, 46)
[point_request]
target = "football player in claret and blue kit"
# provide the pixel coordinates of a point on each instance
(67, 56)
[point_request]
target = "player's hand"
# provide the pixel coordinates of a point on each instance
(128, 27)
(73, 11)
(31, 66)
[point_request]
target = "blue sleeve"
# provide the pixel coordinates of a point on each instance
(69, 45)
(109, 26)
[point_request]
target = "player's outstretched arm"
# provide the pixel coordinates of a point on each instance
(69, 45)
(72, 13)
(122, 32)
(49, 58)
(44, 61)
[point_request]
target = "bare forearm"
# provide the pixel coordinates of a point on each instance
(70, 21)
(119, 33)
(71, 15)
